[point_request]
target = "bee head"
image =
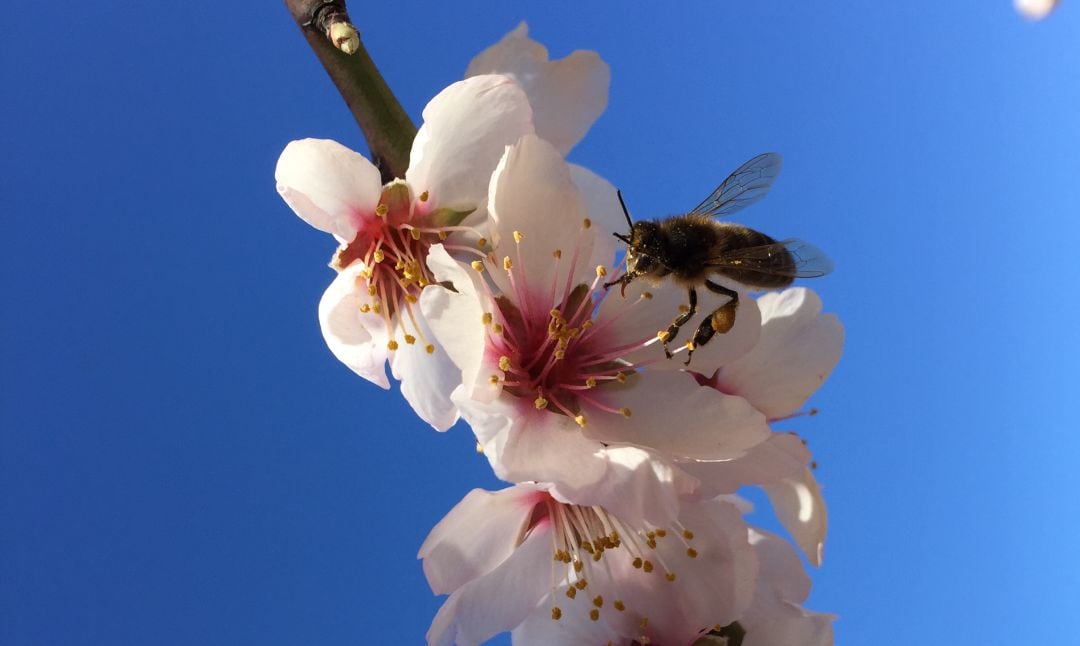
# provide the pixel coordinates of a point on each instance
(643, 247)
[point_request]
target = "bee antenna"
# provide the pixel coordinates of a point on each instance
(625, 212)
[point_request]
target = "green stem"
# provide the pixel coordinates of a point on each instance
(385, 124)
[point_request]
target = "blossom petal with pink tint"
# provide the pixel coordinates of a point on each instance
(660, 309)
(775, 618)
(532, 193)
(466, 128)
(499, 600)
(476, 535)
(331, 187)
(455, 317)
(800, 507)
(427, 378)
(530, 445)
(567, 95)
(671, 413)
(798, 348)
(782, 455)
(356, 338)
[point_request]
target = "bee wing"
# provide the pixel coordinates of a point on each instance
(748, 184)
(809, 261)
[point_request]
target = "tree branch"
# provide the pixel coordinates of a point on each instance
(386, 126)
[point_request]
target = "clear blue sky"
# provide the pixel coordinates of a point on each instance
(182, 461)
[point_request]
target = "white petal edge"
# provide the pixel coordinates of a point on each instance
(357, 339)
(800, 508)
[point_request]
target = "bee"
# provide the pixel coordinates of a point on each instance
(694, 247)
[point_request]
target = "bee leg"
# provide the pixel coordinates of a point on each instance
(720, 321)
(680, 320)
(622, 281)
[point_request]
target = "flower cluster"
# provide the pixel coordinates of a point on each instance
(479, 278)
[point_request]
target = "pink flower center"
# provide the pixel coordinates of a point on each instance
(549, 343)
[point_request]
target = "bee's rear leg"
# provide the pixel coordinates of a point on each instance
(719, 322)
(680, 320)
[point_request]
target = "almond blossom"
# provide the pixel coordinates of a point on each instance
(583, 573)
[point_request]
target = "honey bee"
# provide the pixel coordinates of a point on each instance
(694, 247)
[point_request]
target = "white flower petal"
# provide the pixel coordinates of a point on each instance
(602, 206)
(331, 187)
(498, 601)
(1035, 9)
(466, 128)
(357, 339)
(478, 534)
(797, 350)
(801, 510)
(427, 379)
(782, 455)
(567, 95)
(532, 193)
(455, 318)
(670, 412)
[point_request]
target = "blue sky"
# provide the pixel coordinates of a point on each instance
(182, 461)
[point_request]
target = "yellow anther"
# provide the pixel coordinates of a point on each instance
(518, 236)
(378, 255)
(646, 295)
(410, 339)
(598, 601)
(478, 266)
(493, 380)
(586, 223)
(376, 307)
(647, 566)
(691, 552)
(578, 565)
(482, 242)
(497, 329)
(381, 210)
(424, 196)
(560, 355)
(596, 555)
(601, 271)
(662, 335)
(581, 584)
(479, 448)
(372, 290)
(690, 345)
(392, 345)
(644, 623)
(557, 254)
(621, 377)
(587, 324)
(410, 298)
(661, 532)
(619, 605)
(365, 308)
(571, 592)
(625, 412)
(580, 419)
(651, 543)
(504, 363)
(442, 235)
(507, 263)
(670, 576)
(486, 318)
(688, 535)
(430, 349)
(367, 272)
(590, 382)
(556, 614)
(594, 614)
(637, 562)
(540, 403)
(415, 233)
